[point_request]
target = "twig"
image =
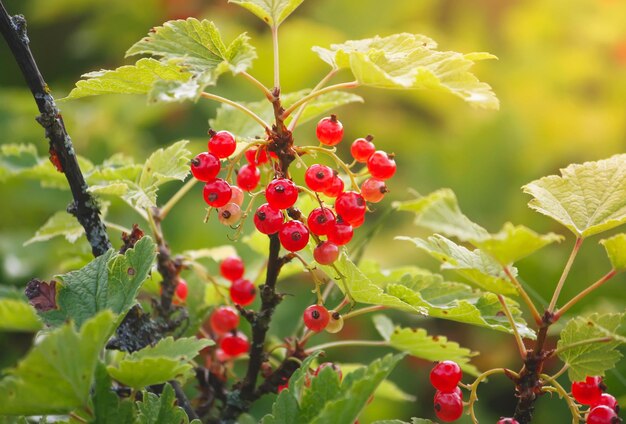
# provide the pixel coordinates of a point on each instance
(84, 207)
(183, 402)
(568, 266)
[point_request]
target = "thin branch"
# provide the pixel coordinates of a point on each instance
(314, 94)
(525, 297)
(276, 57)
(558, 314)
(84, 207)
(183, 402)
(268, 94)
(236, 105)
(520, 343)
(568, 266)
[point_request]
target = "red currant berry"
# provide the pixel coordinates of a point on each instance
(224, 319)
(350, 206)
(248, 177)
(222, 144)
(237, 195)
(445, 376)
(319, 177)
(505, 420)
(205, 166)
(242, 292)
(229, 214)
(293, 235)
(282, 387)
(326, 253)
(335, 325)
(329, 131)
(281, 193)
(267, 219)
(356, 223)
(316, 318)
(602, 415)
(607, 400)
(321, 221)
(341, 233)
(335, 188)
(381, 165)
(334, 367)
(234, 344)
(373, 190)
(362, 149)
(217, 193)
(181, 289)
(232, 268)
(256, 156)
(448, 406)
(589, 391)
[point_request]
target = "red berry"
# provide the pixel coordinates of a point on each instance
(316, 317)
(445, 376)
(602, 415)
(282, 387)
(237, 195)
(229, 214)
(448, 406)
(217, 192)
(293, 235)
(256, 156)
(319, 177)
(205, 166)
(224, 319)
(381, 165)
(356, 223)
(373, 190)
(181, 289)
(248, 177)
(232, 268)
(321, 221)
(267, 219)
(222, 144)
(234, 344)
(362, 149)
(589, 391)
(329, 131)
(350, 206)
(335, 188)
(335, 368)
(281, 193)
(242, 292)
(505, 420)
(341, 233)
(326, 253)
(607, 400)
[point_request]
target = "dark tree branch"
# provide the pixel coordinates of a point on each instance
(84, 206)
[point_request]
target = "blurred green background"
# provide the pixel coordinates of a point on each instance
(560, 77)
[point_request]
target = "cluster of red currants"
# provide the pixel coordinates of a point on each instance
(448, 402)
(603, 406)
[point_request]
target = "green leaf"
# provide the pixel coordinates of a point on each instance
(478, 267)
(384, 326)
(386, 390)
(18, 315)
(356, 389)
(165, 361)
(284, 411)
(413, 421)
(324, 388)
(410, 61)
(111, 281)
(16, 157)
(418, 343)
(586, 198)
(240, 124)
(139, 78)
(272, 12)
(161, 409)
(169, 164)
(596, 357)
(65, 357)
(439, 212)
(62, 224)
(107, 406)
(514, 242)
(198, 47)
(616, 250)
(443, 299)
(217, 254)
